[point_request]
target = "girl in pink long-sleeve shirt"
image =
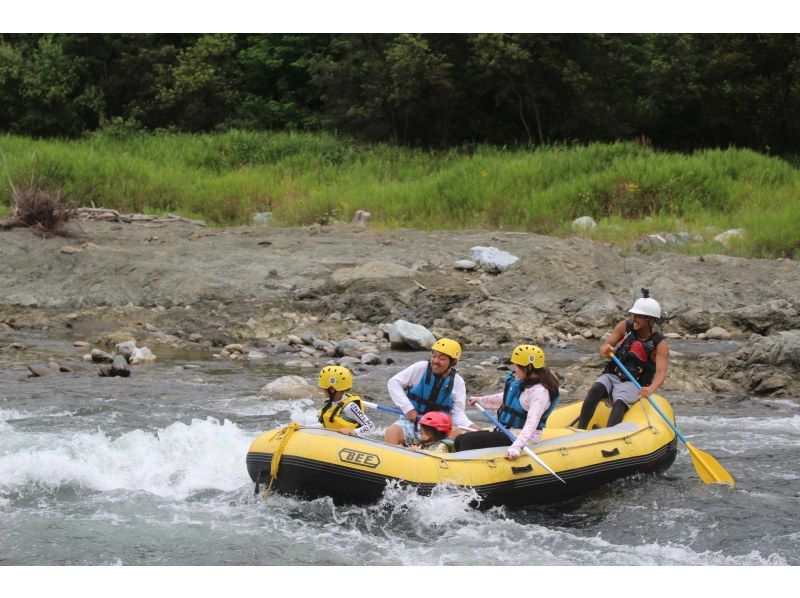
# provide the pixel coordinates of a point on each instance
(529, 392)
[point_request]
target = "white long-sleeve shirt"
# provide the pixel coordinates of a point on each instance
(535, 400)
(407, 379)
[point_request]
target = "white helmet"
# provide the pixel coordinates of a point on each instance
(645, 306)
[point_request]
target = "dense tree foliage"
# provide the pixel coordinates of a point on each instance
(681, 91)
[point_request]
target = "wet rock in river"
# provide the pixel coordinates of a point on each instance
(39, 371)
(81, 344)
(126, 349)
(142, 355)
(99, 356)
(288, 387)
(234, 348)
(371, 359)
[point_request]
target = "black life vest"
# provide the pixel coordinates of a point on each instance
(636, 355)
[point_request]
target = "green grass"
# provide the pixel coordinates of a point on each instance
(304, 178)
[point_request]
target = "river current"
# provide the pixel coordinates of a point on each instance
(150, 470)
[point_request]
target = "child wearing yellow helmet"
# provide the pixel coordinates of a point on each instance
(341, 411)
(530, 394)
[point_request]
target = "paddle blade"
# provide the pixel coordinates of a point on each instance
(708, 468)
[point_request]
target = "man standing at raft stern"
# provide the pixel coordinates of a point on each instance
(642, 351)
(426, 386)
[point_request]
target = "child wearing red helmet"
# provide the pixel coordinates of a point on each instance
(433, 429)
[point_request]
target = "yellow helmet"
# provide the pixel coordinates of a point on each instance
(449, 347)
(337, 376)
(524, 355)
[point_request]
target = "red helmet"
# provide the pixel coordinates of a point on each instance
(437, 419)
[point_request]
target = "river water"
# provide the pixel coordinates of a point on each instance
(150, 470)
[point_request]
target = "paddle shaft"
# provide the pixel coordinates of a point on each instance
(512, 438)
(625, 371)
(393, 410)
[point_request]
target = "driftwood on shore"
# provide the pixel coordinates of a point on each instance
(110, 215)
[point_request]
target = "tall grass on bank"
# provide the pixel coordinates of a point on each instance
(304, 178)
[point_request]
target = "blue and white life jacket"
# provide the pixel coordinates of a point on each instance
(511, 414)
(432, 392)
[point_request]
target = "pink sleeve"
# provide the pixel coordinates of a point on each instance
(491, 401)
(538, 400)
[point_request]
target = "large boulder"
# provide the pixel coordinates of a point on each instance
(767, 364)
(406, 335)
(289, 387)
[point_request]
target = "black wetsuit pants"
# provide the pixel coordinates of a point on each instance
(596, 393)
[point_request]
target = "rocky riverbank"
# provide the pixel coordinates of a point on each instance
(318, 293)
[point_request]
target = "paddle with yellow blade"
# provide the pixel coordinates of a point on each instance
(707, 467)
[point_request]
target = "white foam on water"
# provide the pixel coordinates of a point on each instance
(12, 414)
(300, 410)
(789, 425)
(172, 462)
(781, 403)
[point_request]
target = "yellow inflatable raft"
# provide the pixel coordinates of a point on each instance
(314, 462)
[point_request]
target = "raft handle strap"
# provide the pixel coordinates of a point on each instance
(612, 453)
(527, 468)
(276, 456)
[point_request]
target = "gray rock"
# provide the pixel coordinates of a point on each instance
(361, 218)
(718, 333)
(39, 371)
(730, 237)
(261, 219)
(119, 367)
(234, 348)
(583, 224)
(349, 362)
(284, 348)
(289, 387)
(410, 336)
(371, 359)
(99, 356)
(142, 355)
(126, 349)
(465, 265)
(492, 259)
(195, 337)
(348, 344)
(371, 272)
(308, 338)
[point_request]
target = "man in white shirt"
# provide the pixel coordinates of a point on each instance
(426, 386)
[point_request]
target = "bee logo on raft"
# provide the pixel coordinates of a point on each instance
(359, 458)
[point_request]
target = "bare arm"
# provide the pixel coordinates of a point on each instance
(607, 348)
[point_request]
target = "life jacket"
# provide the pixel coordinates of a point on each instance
(332, 418)
(433, 393)
(636, 355)
(511, 414)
